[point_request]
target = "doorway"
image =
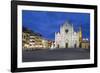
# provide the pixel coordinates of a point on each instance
(58, 46)
(66, 45)
(74, 45)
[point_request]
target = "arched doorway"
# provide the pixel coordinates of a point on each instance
(80, 45)
(58, 46)
(74, 45)
(66, 45)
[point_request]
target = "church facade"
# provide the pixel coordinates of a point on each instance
(67, 37)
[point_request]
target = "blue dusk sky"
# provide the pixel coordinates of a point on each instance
(47, 23)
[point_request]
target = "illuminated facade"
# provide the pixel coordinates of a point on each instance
(32, 41)
(85, 44)
(67, 37)
(25, 39)
(37, 42)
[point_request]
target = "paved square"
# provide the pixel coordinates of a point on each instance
(57, 54)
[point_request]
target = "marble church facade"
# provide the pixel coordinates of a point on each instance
(67, 37)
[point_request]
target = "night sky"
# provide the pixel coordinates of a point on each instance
(47, 23)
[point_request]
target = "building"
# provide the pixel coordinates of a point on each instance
(85, 44)
(67, 37)
(25, 38)
(35, 41)
(32, 40)
(45, 43)
(38, 42)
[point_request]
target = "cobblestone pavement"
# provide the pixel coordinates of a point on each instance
(57, 54)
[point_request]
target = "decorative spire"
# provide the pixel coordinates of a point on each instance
(80, 34)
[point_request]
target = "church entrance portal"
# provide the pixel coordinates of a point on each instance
(75, 46)
(80, 45)
(58, 46)
(66, 45)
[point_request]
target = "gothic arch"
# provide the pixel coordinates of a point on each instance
(66, 43)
